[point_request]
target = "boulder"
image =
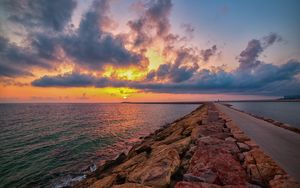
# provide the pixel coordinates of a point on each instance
(105, 182)
(268, 171)
(195, 133)
(265, 168)
(243, 147)
(209, 176)
(184, 184)
(181, 145)
(252, 144)
(172, 137)
(130, 185)
(230, 139)
(158, 169)
(240, 137)
(208, 162)
(254, 174)
(283, 181)
(210, 129)
(130, 164)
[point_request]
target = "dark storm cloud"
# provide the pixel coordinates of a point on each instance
(10, 71)
(66, 80)
(265, 79)
(38, 49)
(16, 60)
(88, 45)
(46, 46)
(91, 47)
(208, 53)
(54, 14)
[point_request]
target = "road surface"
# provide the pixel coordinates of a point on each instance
(280, 144)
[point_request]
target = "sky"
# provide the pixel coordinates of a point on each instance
(159, 50)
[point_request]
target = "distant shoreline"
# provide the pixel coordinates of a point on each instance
(221, 101)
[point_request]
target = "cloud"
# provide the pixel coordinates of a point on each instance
(271, 39)
(10, 71)
(208, 53)
(266, 79)
(17, 61)
(182, 69)
(11, 82)
(54, 14)
(153, 22)
(73, 79)
(248, 57)
(90, 46)
(189, 30)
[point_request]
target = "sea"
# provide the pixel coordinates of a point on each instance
(55, 145)
(285, 112)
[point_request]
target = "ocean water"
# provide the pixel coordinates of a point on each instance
(50, 145)
(285, 112)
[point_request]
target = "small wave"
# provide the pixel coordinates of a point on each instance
(93, 167)
(68, 180)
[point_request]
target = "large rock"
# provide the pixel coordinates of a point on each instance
(130, 164)
(252, 144)
(254, 174)
(210, 129)
(184, 184)
(230, 139)
(216, 165)
(218, 144)
(240, 137)
(261, 167)
(243, 147)
(130, 185)
(283, 181)
(158, 169)
(105, 182)
(181, 145)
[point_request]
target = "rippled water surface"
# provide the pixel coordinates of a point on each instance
(53, 144)
(286, 112)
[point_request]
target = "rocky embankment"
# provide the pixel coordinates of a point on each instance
(202, 149)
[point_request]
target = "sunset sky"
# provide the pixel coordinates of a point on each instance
(179, 50)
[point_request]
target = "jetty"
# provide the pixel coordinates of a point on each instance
(212, 147)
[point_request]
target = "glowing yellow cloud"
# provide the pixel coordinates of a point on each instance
(130, 73)
(122, 92)
(155, 59)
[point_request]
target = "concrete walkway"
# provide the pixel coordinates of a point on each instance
(280, 144)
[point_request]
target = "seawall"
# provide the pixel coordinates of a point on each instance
(202, 149)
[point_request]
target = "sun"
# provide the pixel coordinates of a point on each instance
(125, 97)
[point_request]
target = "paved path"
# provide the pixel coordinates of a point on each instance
(281, 144)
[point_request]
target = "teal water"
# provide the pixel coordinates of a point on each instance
(52, 145)
(285, 112)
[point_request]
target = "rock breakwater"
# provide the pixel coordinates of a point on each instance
(202, 149)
